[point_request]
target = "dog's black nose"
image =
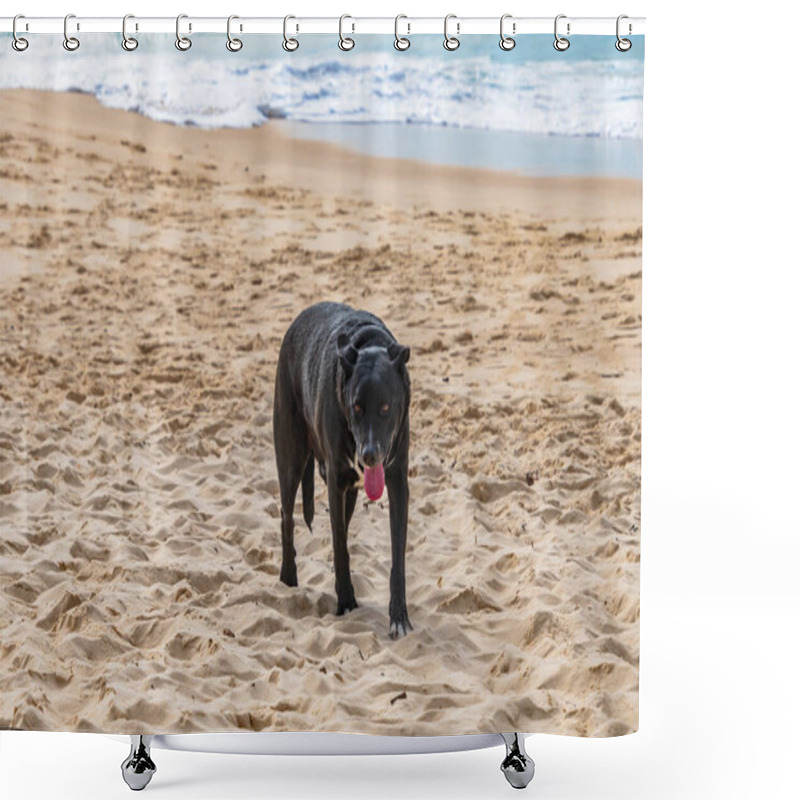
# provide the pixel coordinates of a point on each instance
(370, 456)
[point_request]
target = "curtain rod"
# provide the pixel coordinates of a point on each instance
(459, 26)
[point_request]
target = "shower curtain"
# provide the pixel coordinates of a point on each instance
(320, 386)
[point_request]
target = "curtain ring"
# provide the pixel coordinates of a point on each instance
(233, 44)
(289, 45)
(561, 43)
(346, 43)
(183, 43)
(71, 43)
(18, 42)
(507, 42)
(400, 42)
(128, 42)
(623, 45)
(450, 42)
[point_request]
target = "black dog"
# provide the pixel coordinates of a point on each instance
(341, 397)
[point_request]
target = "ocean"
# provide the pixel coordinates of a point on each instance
(532, 110)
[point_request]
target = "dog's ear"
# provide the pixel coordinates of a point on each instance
(398, 354)
(348, 355)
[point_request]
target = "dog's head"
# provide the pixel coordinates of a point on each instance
(375, 400)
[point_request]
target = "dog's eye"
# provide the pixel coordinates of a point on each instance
(357, 409)
(385, 408)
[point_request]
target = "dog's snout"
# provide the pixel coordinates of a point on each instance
(370, 456)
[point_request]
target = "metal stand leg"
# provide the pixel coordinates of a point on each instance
(138, 768)
(517, 766)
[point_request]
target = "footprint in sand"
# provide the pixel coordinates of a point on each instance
(467, 601)
(488, 491)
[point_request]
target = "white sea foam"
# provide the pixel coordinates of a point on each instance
(568, 97)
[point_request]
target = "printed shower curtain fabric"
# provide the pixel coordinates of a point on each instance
(320, 386)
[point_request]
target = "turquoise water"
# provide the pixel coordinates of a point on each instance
(513, 151)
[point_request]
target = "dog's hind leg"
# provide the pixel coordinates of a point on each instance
(289, 480)
(292, 454)
(397, 488)
(289, 484)
(308, 492)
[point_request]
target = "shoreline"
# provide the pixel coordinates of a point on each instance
(534, 155)
(445, 187)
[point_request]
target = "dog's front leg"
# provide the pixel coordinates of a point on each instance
(397, 487)
(341, 558)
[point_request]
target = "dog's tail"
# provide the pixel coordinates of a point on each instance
(308, 492)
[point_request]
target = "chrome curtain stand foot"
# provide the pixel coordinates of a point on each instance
(517, 766)
(138, 768)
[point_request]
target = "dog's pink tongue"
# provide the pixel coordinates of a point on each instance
(373, 482)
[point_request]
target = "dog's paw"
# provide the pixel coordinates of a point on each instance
(399, 628)
(346, 607)
(289, 576)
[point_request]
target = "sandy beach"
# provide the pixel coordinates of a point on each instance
(149, 272)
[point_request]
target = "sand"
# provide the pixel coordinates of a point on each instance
(148, 275)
